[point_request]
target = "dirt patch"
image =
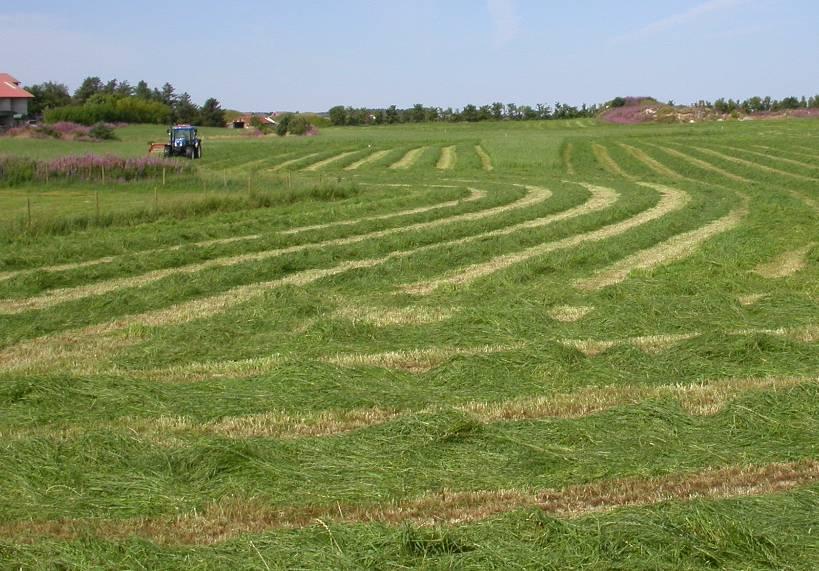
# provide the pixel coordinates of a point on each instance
(786, 264)
(671, 250)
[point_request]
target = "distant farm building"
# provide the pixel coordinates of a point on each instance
(13, 101)
(246, 121)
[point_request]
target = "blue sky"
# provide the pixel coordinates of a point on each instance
(311, 55)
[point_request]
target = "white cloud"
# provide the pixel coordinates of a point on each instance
(681, 18)
(505, 22)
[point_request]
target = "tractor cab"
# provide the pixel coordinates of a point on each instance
(183, 140)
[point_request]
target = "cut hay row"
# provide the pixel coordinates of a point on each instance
(285, 164)
(387, 316)
(661, 342)
(63, 295)
(604, 159)
(409, 159)
(755, 165)
(111, 259)
(671, 200)
(377, 155)
(786, 264)
(701, 398)
(321, 164)
(751, 298)
(674, 249)
(83, 345)
(567, 159)
(700, 163)
(808, 155)
(447, 159)
(231, 517)
(777, 158)
(474, 194)
(414, 360)
(486, 161)
(656, 166)
(569, 313)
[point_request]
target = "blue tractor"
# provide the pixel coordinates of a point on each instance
(183, 141)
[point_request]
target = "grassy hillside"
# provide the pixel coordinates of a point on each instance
(538, 345)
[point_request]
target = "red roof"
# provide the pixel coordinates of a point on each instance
(10, 88)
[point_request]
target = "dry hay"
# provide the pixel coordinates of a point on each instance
(701, 164)
(486, 161)
(109, 259)
(233, 516)
(280, 166)
(447, 159)
(62, 295)
(671, 250)
(414, 360)
(603, 157)
(409, 159)
(752, 164)
(786, 264)
(385, 316)
(655, 165)
(377, 155)
(567, 159)
(569, 313)
(321, 164)
(701, 398)
(474, 194)
(751, 298)
(671, 199)
(208, 370)
(775, 158)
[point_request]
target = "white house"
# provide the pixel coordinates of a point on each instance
(13, 100)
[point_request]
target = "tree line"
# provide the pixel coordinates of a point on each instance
(118, 101)
(418, 113)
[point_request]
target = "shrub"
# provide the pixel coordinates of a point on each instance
(102, 132)
(17, 170)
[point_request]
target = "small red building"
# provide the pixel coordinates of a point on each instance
(13, 100)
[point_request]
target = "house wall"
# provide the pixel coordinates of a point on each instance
(5, 105)
(19, 106)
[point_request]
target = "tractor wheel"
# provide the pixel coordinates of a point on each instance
(190, 152)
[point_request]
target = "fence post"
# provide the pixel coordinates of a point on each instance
(103, 174)
(97, 200)
(28, 210)
(156, 201)
(224, 177)
(163, 176)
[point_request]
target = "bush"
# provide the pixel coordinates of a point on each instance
(102, 132)
(111, 110)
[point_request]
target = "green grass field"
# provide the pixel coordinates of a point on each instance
(507, 345)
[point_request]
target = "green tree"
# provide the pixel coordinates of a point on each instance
(48, 95)
(90, 86)
(184, 110)
(142, 91)
(211, 114)
(338, 115)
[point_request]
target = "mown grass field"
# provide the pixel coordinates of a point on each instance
(535, 345)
